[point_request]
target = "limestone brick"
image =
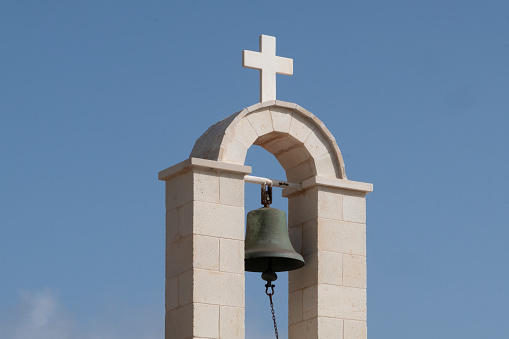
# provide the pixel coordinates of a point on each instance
(305, 276)
(330, 328)
(218, 220)
(354, 271)
(268, 103)
(231, 322)
(179, 256)
(325, 166)
(185, 224)
(235, 153)
(330, 204)
(172, 293)
(316, 144)
(301, 172)
(302, 207)
(307, 329)
(341, 237)
(355, 329)
(205, 252)
(340, 302)
(218, 288)
(286, 104)
(299, 128)
(261, 121)
(245, 133)
(281, 119)
(310, 303)
(295, 233)
(354, 208)
(330, 268)
(179, 323)
(205, 186)
(231, 189)
(278, 143)
(172, 225)
(304, 112)
(185, 292)
(295, 307)
(179, 190)
(293, 157)
(232, 255)
(205, 320)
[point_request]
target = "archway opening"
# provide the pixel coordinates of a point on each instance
(258, 314)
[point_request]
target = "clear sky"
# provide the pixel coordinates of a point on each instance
(97, 97)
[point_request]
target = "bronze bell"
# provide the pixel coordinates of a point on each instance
(267, 247)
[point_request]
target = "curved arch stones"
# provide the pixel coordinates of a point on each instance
(298, 139)
(205, 281)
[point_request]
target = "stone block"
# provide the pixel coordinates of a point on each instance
(278, 143)
(245, 133)
(185, 292)
(179, 190)
(186, 219)
(354, 208)
(295, 307)
(218, 220)
(205, 186)
(261, 122)
(301, 172)
(205, 320)
(316, 144)
(231, 322)
(179, 323)
(341, 237)
(172, 225)
(307, 329)
(330, 328)
(232, 255)
(310, 237)
(330, 268)
(302, 207)
(340, 302)
(325, 166)
(295, 233)
(218, 288)
(354, 271)
(300, 128)
(205, 252)
(310, 302)
(286, 104)
(355, 329)
(281, 119)
(179, 256)
(330, 204)
(231, 189)
(235, 153)
(305, 276)
(293, 157)
(172, 293)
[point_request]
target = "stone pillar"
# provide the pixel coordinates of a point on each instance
(204, 249)
(327, 224)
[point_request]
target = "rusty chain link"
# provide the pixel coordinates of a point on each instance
(270, 294)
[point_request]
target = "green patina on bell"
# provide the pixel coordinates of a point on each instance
(267, 247)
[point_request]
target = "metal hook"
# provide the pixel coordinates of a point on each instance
(271, 286)
(266, 194)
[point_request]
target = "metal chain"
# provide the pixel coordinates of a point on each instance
(272, 305)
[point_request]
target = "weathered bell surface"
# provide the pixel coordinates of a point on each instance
(267, 245)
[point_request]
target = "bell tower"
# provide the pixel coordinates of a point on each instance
(205, 221)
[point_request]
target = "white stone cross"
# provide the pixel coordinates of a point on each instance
(269, 64)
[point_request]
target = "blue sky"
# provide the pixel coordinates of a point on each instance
(97, 97)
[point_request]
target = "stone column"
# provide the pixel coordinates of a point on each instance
(327, 224)
(204, 249)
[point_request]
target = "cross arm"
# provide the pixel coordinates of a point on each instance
(252, 59)
(284, 65)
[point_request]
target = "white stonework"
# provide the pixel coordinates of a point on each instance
(205, 228)
(269, 64)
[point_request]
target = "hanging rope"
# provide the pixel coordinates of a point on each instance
(270, 294)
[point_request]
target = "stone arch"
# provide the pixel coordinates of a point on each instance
(298, 139)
